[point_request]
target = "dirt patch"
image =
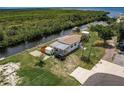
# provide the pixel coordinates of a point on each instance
(35, 53)
(8, 74)
(64, 68)
(71, 63)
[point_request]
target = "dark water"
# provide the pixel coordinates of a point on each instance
(114, 11)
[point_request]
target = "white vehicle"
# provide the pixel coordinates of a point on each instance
(49, 50)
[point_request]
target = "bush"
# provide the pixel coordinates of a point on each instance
(98, 43)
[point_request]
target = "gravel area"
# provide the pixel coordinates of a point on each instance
(8, 74)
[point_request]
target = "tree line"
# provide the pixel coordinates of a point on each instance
(27, 25)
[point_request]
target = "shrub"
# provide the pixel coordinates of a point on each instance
(98, 43)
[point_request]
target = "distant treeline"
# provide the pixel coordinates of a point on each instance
(26, 25)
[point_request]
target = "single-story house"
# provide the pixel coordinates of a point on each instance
(66, 44)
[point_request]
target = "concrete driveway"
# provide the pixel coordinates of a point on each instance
(119, 59)
(81, 74)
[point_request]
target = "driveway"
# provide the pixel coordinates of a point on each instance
(81, 74)
(109, 51)
(119, 59)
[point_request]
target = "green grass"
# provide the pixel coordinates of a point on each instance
(38, 76)
(33, 75)
(96, 52)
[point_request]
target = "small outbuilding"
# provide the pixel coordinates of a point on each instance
(85, 33)
(76, 29)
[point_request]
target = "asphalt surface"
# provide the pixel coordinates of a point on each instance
(101, 79)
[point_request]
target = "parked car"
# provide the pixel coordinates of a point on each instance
(121, 46)
(61, 57)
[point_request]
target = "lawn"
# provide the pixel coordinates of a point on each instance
(35, 75)
(96, 52)
(53, 71)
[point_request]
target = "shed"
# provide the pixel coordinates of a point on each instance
(76, 29)
(85, 33)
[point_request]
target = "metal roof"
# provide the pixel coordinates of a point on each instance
(59, 45)
(70, 39)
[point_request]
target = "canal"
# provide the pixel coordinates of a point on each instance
(23, 46)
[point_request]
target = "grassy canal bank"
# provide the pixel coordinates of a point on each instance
(54, 71)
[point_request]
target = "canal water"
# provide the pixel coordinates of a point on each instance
(23, 46)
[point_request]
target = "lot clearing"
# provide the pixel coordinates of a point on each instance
(8, 74)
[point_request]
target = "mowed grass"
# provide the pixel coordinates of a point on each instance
(33, 75)
(55, 72)
(38, 76)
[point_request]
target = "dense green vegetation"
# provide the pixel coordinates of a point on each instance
(25, 25)
(119, 27)
(104, 32)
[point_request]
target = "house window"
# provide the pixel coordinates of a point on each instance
(71, 46)
(75, 44)
(56, 49)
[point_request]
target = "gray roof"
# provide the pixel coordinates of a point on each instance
(70, 39)
(59, 45)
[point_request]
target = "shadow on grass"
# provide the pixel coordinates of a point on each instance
(107, 46)
(65, 56)
(41, 63)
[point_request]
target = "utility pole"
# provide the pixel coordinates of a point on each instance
(90, 51)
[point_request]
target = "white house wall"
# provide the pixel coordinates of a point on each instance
(70, 49)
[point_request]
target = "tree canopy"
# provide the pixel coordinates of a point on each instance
(1, 36)
(25, 25)
(119, 27)
(104, 32)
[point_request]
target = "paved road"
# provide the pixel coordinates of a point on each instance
(102, 79)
